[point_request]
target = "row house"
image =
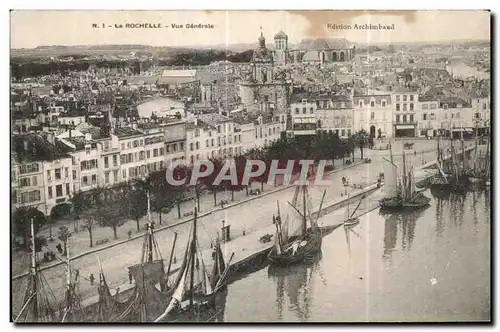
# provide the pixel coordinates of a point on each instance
(40, 173)
(175, 141)
(154, 146)
(109, 167)
(335, 113)
(302, 115)
(481, 106)
(258, 132)
(373, 114)
(212, 136)
(132, 153)
(460, 114)
(405, 104)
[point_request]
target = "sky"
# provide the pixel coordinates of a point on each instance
(30, 28)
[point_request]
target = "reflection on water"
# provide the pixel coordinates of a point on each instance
(295, 282)
(430, 265)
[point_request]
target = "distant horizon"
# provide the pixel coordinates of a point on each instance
(438, 42)
(31, 29)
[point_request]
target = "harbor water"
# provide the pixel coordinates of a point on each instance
(431, 265)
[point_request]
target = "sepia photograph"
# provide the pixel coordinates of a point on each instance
(250, 166)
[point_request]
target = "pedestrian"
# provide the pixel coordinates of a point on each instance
(129, 234)
(59, 248)
(222, 204)
(91, 278)
(274, 219)
(415, 152)
(130, 277)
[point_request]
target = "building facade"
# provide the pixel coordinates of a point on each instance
(373, 114)
(405, 103)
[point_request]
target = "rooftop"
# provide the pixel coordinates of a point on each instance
(123, 132)
(34, 147)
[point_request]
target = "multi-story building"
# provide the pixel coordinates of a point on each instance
(257, 132)
(175, 141)
(405, 103)
(41, 173)
(335, 113)
(154, 146)
(460, 115)
(432, 120)
(373, 114)
(481, 106)
(210, 136)
(132, 153)
(302, 115)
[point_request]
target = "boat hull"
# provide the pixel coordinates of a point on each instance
(303, 253)
(351, 222)
(398, 204)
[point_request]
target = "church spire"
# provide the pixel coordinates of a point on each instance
(262, 40)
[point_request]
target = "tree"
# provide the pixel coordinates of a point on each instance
(137, 199)
(179, 192)
(209, 180)
(21, 222)
(64, 235)
(161, 197)
(88, 223)
(112, 211)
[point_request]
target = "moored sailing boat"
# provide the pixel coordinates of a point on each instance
(37, 307)
(402, 195)
(196, 286)
(440, 182)
(291, 248)
(351, 220)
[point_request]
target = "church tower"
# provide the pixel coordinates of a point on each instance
(281, 45)
(262, 62)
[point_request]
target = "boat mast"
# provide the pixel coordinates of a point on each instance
(192, 254)
(171, 255)
(404, 189)
(304, 217)
(34, 284)
(463, 156)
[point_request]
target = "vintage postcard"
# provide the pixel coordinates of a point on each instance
(306, 166)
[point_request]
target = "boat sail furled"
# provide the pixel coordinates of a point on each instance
(406, 195)
(195, 284)
(37, 307)
(294, 245)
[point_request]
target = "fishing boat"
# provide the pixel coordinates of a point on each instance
(440, 183)
(145, 301)
(401, 193)
(197, 290)
(297, 245)
(38, 298)
(480, 173)
(72, 310)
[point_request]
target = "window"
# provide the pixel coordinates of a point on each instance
(445, 106)
(213, 141)
(372, 104)
(94, 178)
(181, 144)
(383, 103)
(106, 177)
(141, 142)
(115, 160)
(405, 118)
(425, 106)
(197, 133)
(343, 132)
(155, 151)
(31, 168)
(424, 116)
(57, 171)
(123, 146)
(148, 153)
(87, 149)
(197, 146)
(484, 106)
(50, 192)
(48, 175)
(191, 146)
(141, 155)
(304, 110)
(411, 118)
(86, 165)
(135, 143)
(405, 107)
(67, 189)
(31, 196)
(397, 107)
(260, 132)
(478, 115)
(162, 151)
(398, 97)
(128, 145)
(360, 103)
(218, 129)
(405, 97)
(348, 132)
(411, 106)
(124, 174)
(207, 143)
(373, 115)
(106, 162)
(59, 191)
(311, 110)
(432, 106)
(115, 175)
(297, 111)
(411, 97)
(397, 118)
